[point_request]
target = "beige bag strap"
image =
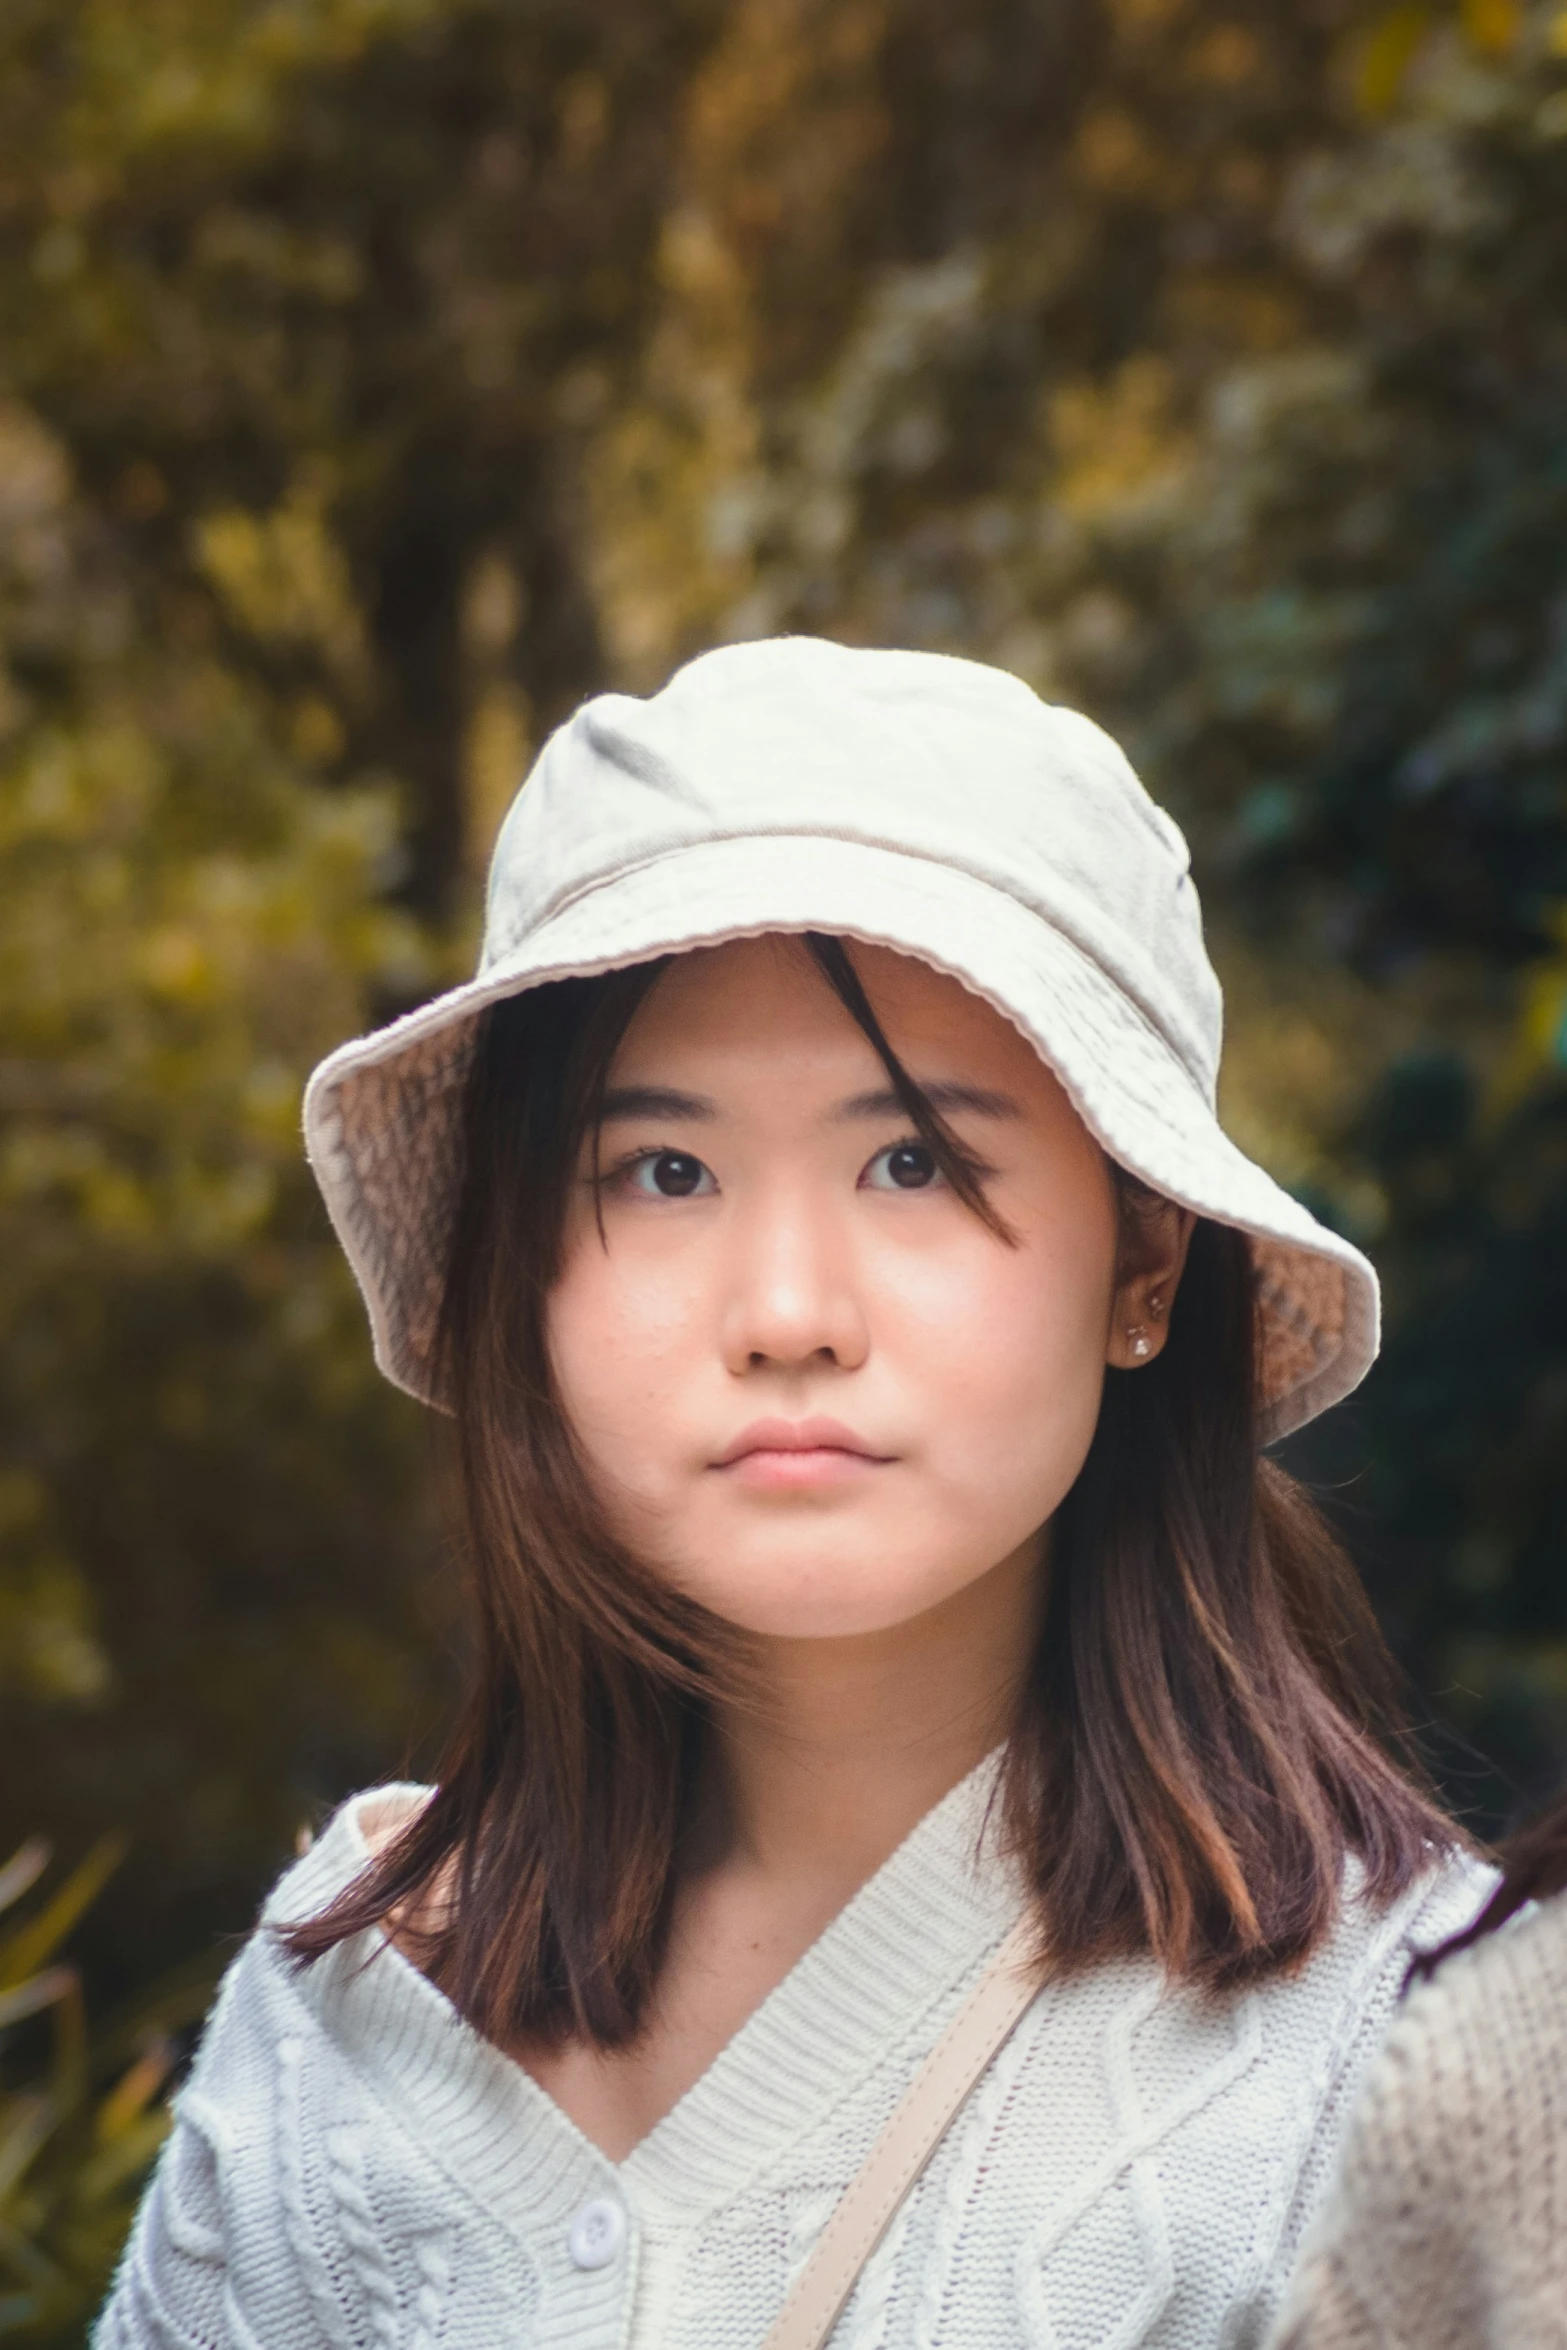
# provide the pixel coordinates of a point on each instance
(872, 2199)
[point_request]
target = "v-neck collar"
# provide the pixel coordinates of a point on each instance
(870, 1983)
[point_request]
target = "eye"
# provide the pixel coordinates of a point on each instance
(902, 1166)
(670, 1175)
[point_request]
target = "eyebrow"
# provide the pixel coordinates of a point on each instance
(664, 1101)
(944, 1095)
(656, 1101)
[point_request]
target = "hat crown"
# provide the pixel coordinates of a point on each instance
(946, 761)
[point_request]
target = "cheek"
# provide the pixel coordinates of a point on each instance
(616, 1343)
(1010, 1351)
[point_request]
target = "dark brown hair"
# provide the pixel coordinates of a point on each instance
(1200, 1740)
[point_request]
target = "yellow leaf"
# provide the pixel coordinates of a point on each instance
(25, 1866)
(1492, 25)
(32, 1997)
(30, 1945)
(1387, 56)
(131, 2095)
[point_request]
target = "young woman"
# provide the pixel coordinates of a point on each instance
(860, 1336)
(1447, 2228)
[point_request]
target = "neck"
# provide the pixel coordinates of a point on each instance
(850, 1742)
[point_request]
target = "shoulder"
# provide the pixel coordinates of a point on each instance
(1373, 1948)
(1488, 2030)
(1325, 2021)
(347, 1844)
(1446, 1896)
(314, 2181)
(1362, 1964)
(266, 1996)
(1446, 1900)
(1521, 1968)
(1319, 2025)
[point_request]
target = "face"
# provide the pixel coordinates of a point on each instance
(812, 1388)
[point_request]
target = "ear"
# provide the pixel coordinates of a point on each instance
(1158, 1235)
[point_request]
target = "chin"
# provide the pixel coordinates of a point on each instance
(823, 1604)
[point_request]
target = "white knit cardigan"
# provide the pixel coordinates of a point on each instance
(353, 2166)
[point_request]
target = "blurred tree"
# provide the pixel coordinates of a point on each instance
(1359, 676)
(355, 267)
(316, 298)
(209, 1535)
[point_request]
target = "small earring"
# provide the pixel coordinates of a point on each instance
(1138, 1338)
(1155, 1305)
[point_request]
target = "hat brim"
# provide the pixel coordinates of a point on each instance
(383, 1113)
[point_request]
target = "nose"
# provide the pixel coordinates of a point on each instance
(793, 1301)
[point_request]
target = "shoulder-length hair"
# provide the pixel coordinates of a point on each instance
(1204, 1734)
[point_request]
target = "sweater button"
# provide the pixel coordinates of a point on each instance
(597, 2233)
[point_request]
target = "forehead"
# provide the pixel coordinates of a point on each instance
(757, 999)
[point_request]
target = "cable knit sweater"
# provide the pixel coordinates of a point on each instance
(353, 2166)
(1447, 2229)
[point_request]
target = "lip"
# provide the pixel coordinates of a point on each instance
(798, 1453)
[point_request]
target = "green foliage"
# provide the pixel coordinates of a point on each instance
(1356, 677)
(191, 919)
(80, 2125)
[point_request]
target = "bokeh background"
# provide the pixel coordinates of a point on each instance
(377, 377)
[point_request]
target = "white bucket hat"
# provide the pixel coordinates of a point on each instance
(910, 800)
